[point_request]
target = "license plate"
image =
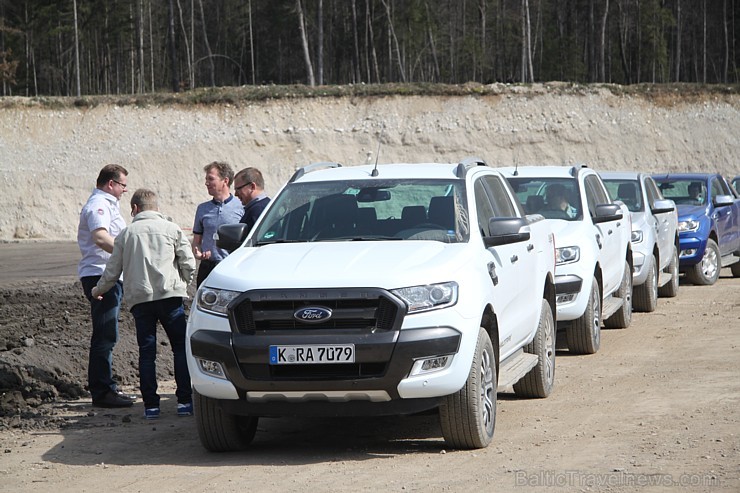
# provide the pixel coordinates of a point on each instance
(312, 354)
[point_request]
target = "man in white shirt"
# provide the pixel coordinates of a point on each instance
(100, 223)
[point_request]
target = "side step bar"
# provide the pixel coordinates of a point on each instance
(611, 305)
(514, 368)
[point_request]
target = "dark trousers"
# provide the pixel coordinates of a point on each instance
(205, 268)
(104, 337)
(171, 314)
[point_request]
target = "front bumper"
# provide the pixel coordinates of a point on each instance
(369, 386)
(572, 294)
(691, 249)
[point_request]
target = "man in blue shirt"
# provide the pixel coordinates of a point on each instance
(224, 208)
(100, 223)
(249, 186)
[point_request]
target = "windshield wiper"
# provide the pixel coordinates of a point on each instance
(272, 242)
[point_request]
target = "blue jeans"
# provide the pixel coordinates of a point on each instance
(104, 337)
(171, 314)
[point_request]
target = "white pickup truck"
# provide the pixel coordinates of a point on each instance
(380, 290)
(594, 255)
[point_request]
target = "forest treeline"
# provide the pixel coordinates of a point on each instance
(91, 47)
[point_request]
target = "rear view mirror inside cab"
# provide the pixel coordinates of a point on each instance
(373, 195)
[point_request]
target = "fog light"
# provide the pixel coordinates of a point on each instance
(212, 368)
(429, 365)
(688, 253)
(565, 298)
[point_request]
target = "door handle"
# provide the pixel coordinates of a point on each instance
(530, 247)
(514, 259)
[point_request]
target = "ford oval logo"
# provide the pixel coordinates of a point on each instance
(312, 314)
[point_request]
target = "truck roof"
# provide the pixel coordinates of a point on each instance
(444, 171)
(542, 171)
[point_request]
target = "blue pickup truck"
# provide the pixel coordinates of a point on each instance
(708, 224)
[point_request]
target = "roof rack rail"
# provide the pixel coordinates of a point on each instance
(467, 163)
(312, 167)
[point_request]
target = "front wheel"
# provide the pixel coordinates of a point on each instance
(706, 272)
(220, 431)
(468, 416)
(584, 333)
(623, 317)
(646, 294)
(540, 379)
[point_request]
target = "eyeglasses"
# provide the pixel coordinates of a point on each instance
(123, 185)
(236, 189)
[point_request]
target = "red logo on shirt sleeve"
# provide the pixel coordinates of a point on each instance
(100, 212)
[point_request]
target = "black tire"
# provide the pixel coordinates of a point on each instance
(645, 297)
(706, 272)
(622, 318)
(468, 417)
(670, 289)
(220, 431)
(584, 334)
(735, 269)
(540, 379)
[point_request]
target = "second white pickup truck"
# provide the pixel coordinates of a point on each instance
(372, 291)
(594, 254)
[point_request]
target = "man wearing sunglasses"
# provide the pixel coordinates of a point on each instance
(249, 186)
(100, 222)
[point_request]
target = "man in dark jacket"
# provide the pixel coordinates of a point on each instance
(249, 186)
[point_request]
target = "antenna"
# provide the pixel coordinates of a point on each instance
(377, 156)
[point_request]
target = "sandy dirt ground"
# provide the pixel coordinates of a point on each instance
(656, 409)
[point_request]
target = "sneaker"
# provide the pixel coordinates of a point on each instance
(112, 399)
(185, 409)
(151, 413)
(131, 397)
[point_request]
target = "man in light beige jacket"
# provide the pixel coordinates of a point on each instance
(157, 263)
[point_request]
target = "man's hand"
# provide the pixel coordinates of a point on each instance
(96, 294)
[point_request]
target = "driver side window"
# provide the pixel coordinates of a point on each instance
(483, 208)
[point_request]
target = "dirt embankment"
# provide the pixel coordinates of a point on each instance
(49, 158)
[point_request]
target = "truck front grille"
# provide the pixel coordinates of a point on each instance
(368, 310)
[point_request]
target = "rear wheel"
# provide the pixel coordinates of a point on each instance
(670, 289)
(584, 334)
(468, 416)
(540, 379)
(646, 294)
(623, 317)
(706, 272)
(220, 431)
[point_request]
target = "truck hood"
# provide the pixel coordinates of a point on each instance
(691, 211)
(566, 232)
(387, 264)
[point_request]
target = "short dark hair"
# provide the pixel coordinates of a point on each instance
(110, 172)
(252, 175)
(224, 170)
(145, 199)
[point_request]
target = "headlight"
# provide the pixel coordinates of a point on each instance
(636, 236)
(215, 300)
(567, 255)
(690, 225)
(430, 297)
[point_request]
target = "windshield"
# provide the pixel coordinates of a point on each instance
(684, 191)
(554, 198)
(364, 210)
(628, 191)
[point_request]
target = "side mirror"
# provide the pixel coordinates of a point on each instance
(231, 236)
(723, 200)
(663, 206)
(506, 230)
(606, 213)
